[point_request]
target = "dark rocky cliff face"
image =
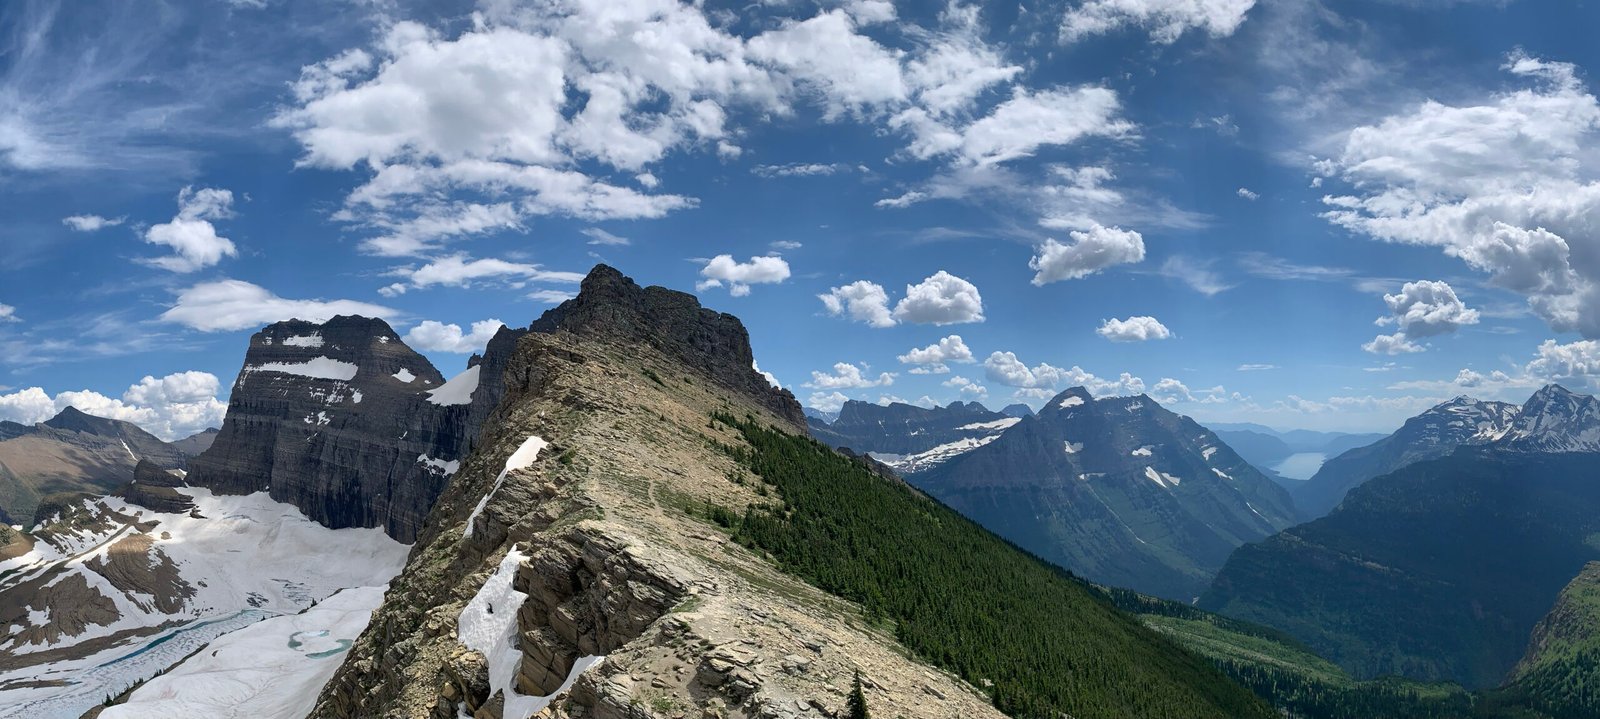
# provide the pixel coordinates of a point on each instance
(673, 322)
(337, 420)
(155, 488)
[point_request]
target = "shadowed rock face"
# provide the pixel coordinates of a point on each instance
(155, 487)
(673, 322)
(336, 419)
(342, 420)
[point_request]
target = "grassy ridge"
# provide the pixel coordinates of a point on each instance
(1039, 640)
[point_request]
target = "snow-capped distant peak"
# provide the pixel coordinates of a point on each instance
(1554, 419)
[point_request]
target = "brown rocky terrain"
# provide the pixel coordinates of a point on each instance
(611, 554)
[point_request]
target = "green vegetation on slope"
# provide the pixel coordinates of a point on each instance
(1560, 675)
(1041, 641)
(1288, 674)
(1438, 571)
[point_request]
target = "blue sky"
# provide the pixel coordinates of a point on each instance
(1322, 215)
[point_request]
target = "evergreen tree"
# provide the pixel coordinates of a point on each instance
(857, 708)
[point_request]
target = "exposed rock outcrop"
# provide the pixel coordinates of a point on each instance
(608, 559)
(156, 488)
(612, 306)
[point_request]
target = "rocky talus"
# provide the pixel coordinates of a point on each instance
(607, 553)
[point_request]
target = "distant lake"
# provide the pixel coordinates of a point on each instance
(1300, 466)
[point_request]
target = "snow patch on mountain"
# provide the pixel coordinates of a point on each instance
(922, 461)
(316, 367)
(458, 389)
(311, 340)
(404, 375)
(440, 466)
(998, 425)
(1070, 402)
(520, 459)
(1166, 481)
(488, 624)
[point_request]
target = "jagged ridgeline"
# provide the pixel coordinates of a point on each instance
(606, 534)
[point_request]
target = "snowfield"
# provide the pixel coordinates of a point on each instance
(245, 558)
(911, 463)
(993, 425)
(317, 367)
(489, 625)
(269, 670)
(458, 390)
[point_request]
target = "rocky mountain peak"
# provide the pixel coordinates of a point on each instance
(612, 306)
(343, 348)
(1017, 410)
(1066, 401)
(1119, 489)
(73, 419)
(1554, 419)
(339, 419)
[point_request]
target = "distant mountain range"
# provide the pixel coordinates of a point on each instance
(77, 452)
(1266, 448)
(908, 438)
(1434, 433)
(1440, 567)
(1118, 490)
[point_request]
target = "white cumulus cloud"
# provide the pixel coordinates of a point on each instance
(192, 237)
(934, 358)
(848, 376)
(1427, 308)
(942, 299)
(1091, 250)
(235, 305)
(170, 407)
(861, 301)
(1134, 329)
(1506, 184)
(1167, 20)
(723, 270)
(433, 336)
(1392, 344)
